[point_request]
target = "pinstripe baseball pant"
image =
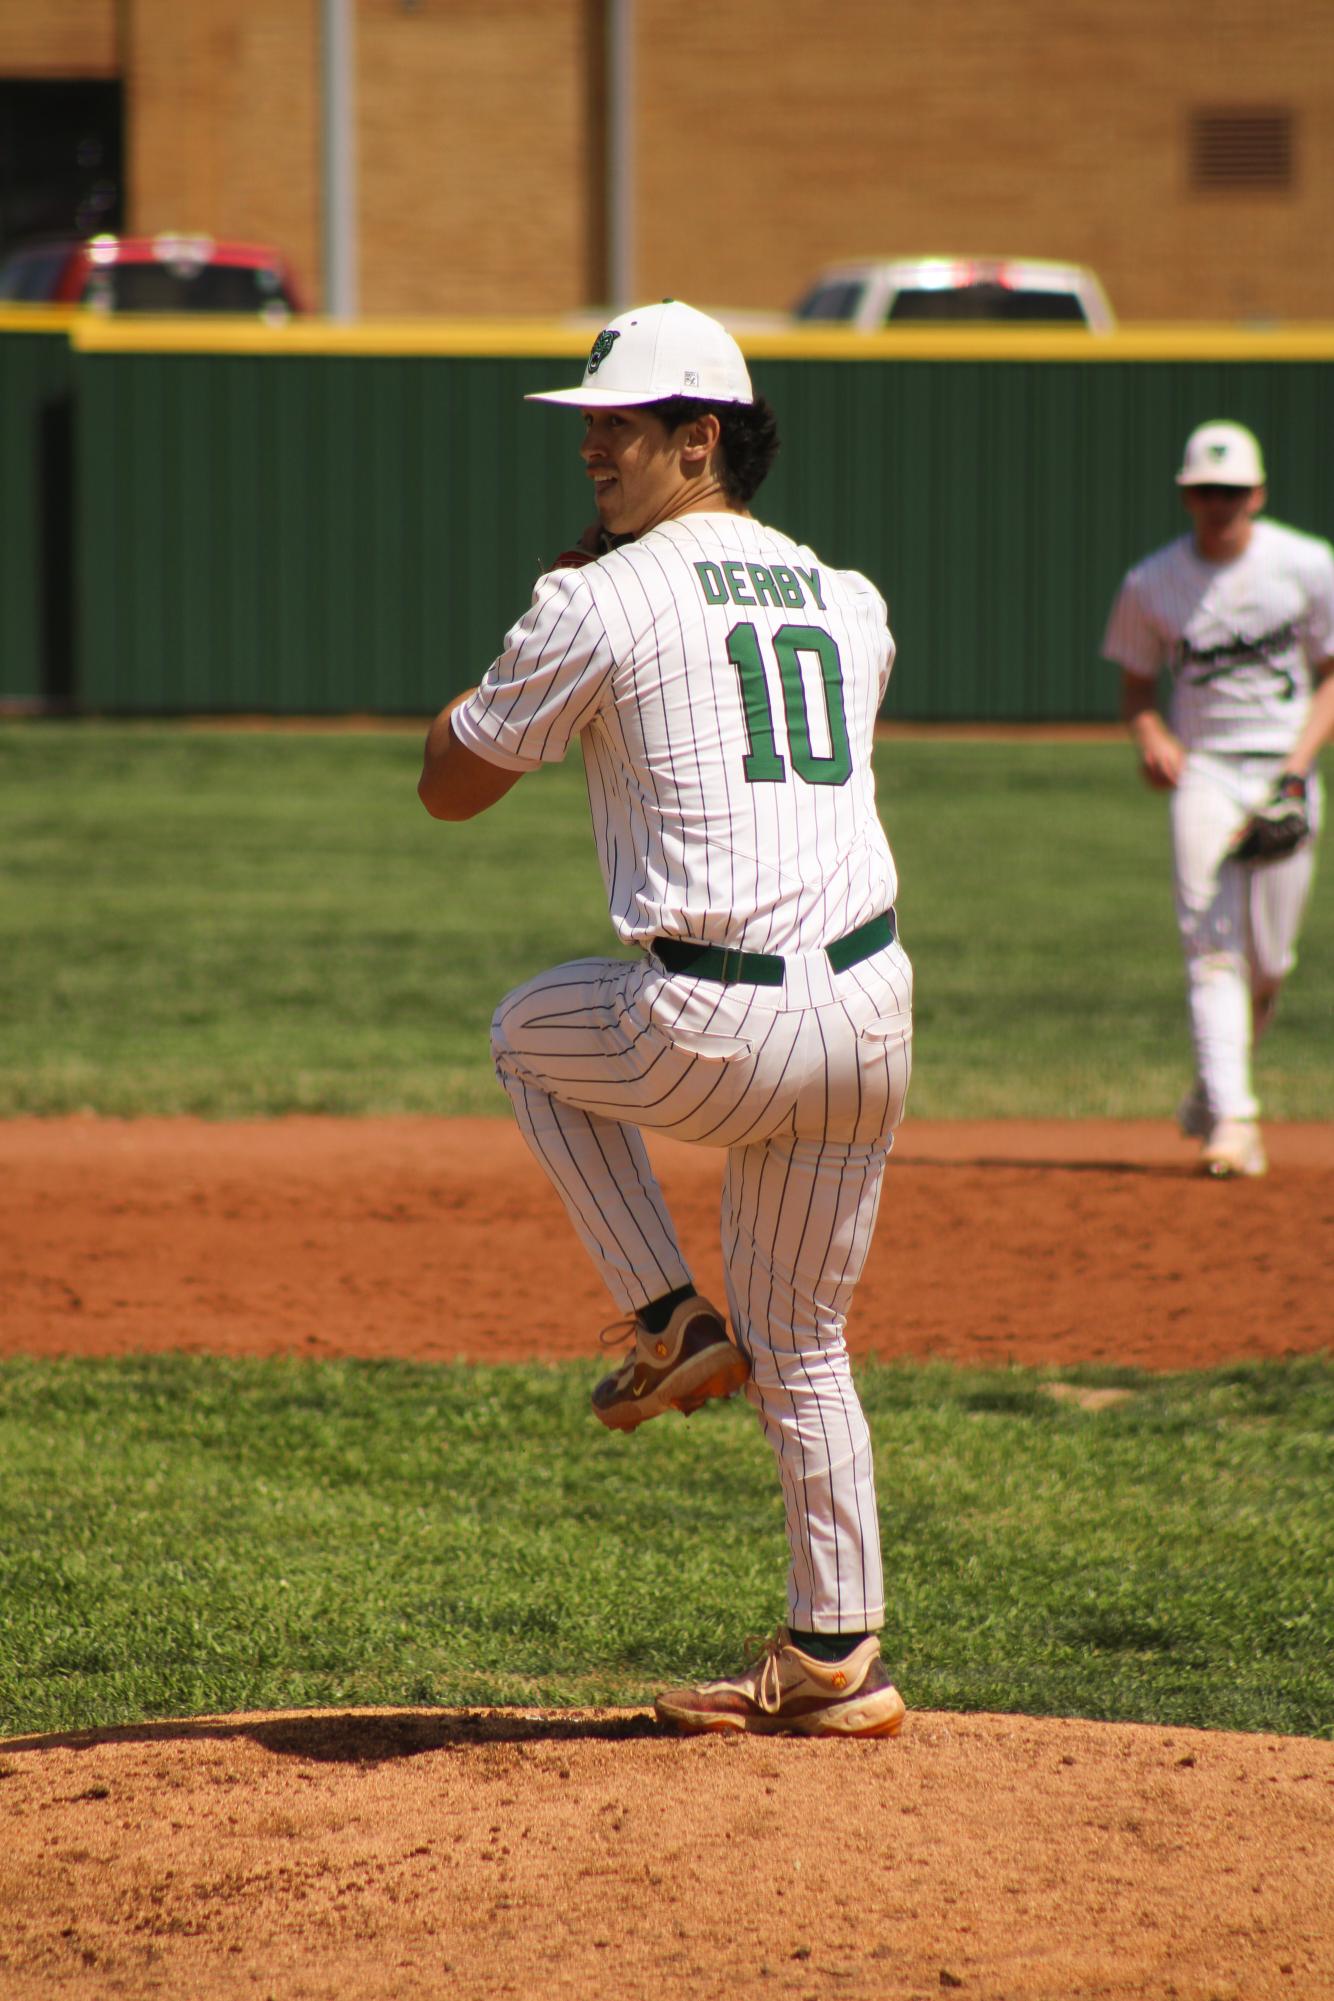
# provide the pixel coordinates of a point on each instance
(1238, 920)
(803, 1085)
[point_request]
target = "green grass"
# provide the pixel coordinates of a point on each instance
(182, 1534)
(233, 924)
(244, 924)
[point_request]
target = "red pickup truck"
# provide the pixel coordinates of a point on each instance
(152, 274)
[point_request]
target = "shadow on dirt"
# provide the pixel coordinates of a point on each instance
(368, 1738)
(1141, 1169)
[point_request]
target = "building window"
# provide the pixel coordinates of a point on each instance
(60, 158)
(1241, 150)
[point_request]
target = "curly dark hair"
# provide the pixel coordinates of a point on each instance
(749, 441)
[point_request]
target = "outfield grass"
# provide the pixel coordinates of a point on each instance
(252, 923)
(182, 1534)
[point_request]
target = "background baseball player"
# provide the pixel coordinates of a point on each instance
(724, 682)
(1241, 611)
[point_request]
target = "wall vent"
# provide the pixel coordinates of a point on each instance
(1241, 150)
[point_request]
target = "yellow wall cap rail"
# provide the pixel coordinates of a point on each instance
(15, 318)
(196, 334)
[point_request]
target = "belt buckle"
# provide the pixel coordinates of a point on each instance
(726, 976)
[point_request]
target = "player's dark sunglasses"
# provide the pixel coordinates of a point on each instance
(1220, 492)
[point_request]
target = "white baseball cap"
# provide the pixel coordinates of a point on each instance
(1222, 454)
(656, 351)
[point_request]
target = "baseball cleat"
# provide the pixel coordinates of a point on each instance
(785, 1690)
(1194, 1119)
(1234, 1148)
(689, 1363)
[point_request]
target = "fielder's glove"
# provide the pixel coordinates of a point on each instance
(594, 542)
(1277, 827)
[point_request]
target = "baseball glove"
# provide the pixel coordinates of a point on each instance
(1277, 827)
(594, 542)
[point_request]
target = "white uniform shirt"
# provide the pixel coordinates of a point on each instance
(1240, 638)
(725, 683)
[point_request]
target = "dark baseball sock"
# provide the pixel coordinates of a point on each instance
(653, 1318)
(826, 1646)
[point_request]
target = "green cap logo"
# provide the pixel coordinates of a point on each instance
(602, 347)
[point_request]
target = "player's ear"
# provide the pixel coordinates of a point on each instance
(1259, 495)
(700, 439)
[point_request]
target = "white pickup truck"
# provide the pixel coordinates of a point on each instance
(871, 293)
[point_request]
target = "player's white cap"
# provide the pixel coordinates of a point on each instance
(1222, 454)
(656, 351)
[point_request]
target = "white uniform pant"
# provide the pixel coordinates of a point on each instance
(802, 1085)
(1238, 920)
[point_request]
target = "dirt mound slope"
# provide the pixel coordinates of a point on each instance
(387, 1854)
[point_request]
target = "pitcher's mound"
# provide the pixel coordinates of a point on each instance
(375, 1855)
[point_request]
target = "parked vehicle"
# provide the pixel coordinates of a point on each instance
(869, 294)
(152, 274)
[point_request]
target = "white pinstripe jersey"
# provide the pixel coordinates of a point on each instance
(725, 683)
(1239, 638)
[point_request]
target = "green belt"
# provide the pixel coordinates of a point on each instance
(766, 969)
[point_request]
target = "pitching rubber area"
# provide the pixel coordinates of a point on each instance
(885, 1725)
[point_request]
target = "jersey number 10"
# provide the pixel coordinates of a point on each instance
(764, 765)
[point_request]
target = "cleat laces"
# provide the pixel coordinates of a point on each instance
(764, 1668)
(619, 1332)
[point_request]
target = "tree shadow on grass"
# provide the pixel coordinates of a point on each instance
(365, 1737)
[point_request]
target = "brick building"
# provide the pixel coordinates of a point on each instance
(1186, 152)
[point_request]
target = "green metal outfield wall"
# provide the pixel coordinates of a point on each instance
(36, 502)
(323, 520)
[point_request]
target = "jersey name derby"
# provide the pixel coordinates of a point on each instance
(728, 757)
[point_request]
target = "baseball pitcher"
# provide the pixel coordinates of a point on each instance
(1240, 611)
(724, 683)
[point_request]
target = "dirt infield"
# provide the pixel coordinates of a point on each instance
(1055, 1242)
(416, 1853)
